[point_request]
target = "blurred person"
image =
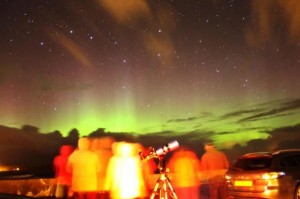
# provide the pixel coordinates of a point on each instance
(184, 165)
(103, 148)
(62, 177)
(149, 167)
(84, 166)
(214, 164)
(125, 178)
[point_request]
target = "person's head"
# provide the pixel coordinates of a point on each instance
(84, 143)
(66, 150)
(209, 145)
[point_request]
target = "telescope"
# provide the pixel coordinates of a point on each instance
(163, 187)
(171, 146)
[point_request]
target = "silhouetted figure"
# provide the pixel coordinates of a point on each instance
(125, 178)
(149, 168)
(62, 177)
(103, 148)
(214, 163)
(184, 165)
(84, 165)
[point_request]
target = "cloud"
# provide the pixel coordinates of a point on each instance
(26, 146)
(282, 109)
(160, 23)
(159, 47)
(127, 12)
(239, 113)
(292, 104)
(268, 17)
(72, 47)
(284, 137)
(242, 125)
(291, 14)
(182, 120)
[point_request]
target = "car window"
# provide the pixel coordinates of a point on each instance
(256, 163)
(290, 161)
(297, 158)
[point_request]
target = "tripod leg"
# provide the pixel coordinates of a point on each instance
(172, 191)
(165, 191)
(156, 188)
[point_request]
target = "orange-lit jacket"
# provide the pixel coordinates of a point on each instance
(84, 165)
(214, 160)
(184, 167)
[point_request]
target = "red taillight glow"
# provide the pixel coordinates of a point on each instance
(227, 177)
(272, 175)
(267, 180)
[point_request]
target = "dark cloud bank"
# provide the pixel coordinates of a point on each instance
(29, 148)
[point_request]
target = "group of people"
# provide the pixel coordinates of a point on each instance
(101, 168)
(196, 178)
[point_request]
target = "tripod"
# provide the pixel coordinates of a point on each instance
(163, 188)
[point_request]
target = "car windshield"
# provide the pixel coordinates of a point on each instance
(255, 163)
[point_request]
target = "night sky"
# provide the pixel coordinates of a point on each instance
(227, 69)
